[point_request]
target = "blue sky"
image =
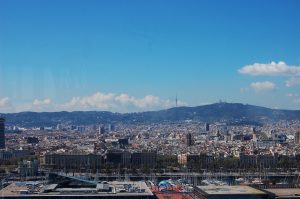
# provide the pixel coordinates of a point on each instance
(137, 55)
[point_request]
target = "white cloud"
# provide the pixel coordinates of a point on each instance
(293, 81)
(271, 69)
(292, 94)
(38, 102)
(243, 90)
(118, 103)
(5, 105)
(147, 101)
(98, 102)
(263, 86)
(296, 101)
(4, 102)
(38, 105)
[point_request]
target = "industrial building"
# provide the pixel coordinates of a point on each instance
(9, 154)
(144, 159)
(62, 186)
(73, 162)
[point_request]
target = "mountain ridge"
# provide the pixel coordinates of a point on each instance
(225, 112)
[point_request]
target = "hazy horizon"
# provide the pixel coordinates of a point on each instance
(183, 106)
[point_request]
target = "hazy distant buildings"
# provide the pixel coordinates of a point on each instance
(228, 137)
(279, 137)
(263, 144)
(106, 128)
(123, 142)
(80, 129)
(2, 135)
(59, 127)
(110, 127)
(32, 140)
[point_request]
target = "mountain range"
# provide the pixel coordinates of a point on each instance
(232, 113)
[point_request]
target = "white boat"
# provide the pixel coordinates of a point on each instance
(257, 181)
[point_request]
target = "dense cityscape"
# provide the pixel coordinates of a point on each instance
(181, 154)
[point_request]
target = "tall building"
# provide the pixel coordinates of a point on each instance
(297, 137)
(2, 135)
(206, 126)
(101, 130)
(189, 140)
(110, 127)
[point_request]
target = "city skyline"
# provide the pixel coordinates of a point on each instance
(139, 56)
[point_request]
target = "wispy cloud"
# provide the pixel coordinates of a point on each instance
(4, 102)
(296, 101)
(263, 86)
(243, 90)
(117, 102)
(271, 69)
(96, 102)
(292, 94)
(38, 102)
(293, 81)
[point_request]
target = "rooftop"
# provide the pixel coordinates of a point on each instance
(63, 185)
(286, 192)
(230, 190)
(40, 189)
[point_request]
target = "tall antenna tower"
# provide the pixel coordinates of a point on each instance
(176, 101)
